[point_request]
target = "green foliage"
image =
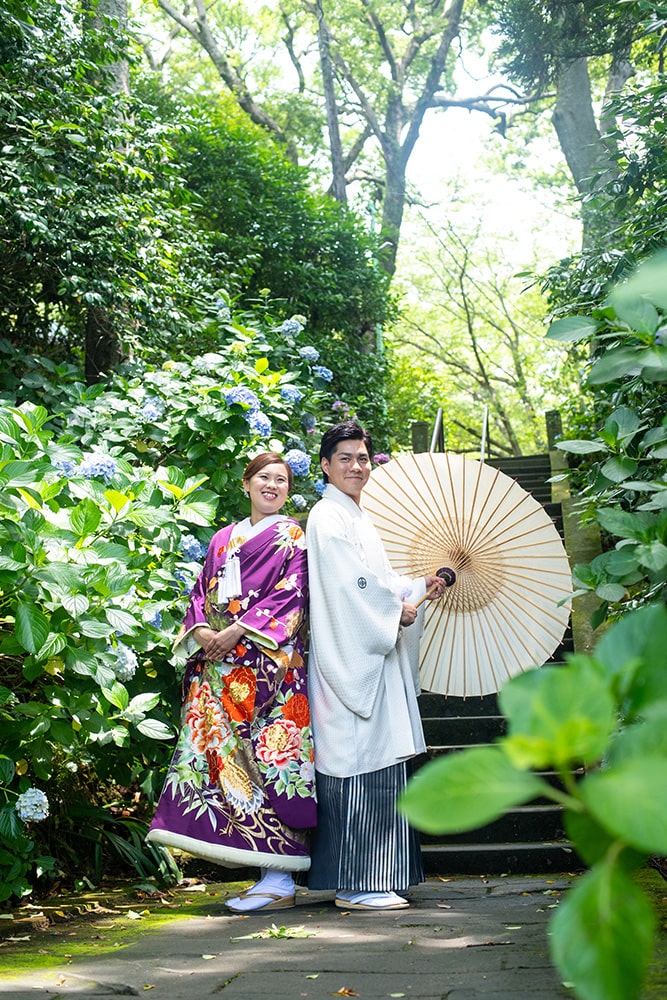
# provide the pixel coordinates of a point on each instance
(537, 39)
(92, 211)
(608, 712)
(302, 249)
(626, 489)
(108, 499)
(156, 214)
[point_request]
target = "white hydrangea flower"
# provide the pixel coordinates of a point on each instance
(32, 805)
(126, 663)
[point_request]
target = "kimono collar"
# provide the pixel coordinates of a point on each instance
(333, 493)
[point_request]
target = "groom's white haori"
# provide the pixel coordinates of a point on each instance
(363, 667)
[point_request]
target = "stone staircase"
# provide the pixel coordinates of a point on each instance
(529, 838)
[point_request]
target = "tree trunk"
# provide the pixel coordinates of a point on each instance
(338, 187)
(587, 155)
(103, 349)
(393, 207)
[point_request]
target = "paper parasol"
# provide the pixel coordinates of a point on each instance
(502, 615)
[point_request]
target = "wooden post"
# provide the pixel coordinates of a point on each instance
(554, 427)
(420, 436)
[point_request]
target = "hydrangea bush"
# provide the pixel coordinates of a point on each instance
(108, 499)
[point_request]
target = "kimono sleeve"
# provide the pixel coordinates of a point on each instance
(277, 614)
(195, 615)
(355, 618)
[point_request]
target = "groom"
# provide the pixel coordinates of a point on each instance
(363, 684)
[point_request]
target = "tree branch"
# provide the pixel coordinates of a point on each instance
(199, 29)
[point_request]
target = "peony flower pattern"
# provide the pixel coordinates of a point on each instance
(238, 693)
(209, 729)
(297, 710)
(280, 743)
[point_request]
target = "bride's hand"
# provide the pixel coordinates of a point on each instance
(218, 644)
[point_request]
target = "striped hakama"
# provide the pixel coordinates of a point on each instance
(361, 842)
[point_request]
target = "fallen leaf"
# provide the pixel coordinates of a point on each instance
(397, 994)
(276, 932)
(513, 927)
(133, 915)
(443, 906)
(149, 986)
(209, 957)
(313, 975)
(344, 991)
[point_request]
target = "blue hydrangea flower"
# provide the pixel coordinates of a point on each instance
(290, 327)
(291, 393)
(126, 664)
(259, 422)
(339, 404)
(320, 486)
(298, 461)
(309, 422)
(32, 805)
(183, 578)
(241, 394)
(192, 549)
(66, 466)
(155, 620)
(381, 458)
(152, 409)
(98, 464)
(661, 336)
(299, 501)
(324, 373)
(309, 354)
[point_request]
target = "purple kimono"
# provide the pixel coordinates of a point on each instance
(240, 789)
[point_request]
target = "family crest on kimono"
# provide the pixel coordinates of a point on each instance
(240, 789)
(364, 682)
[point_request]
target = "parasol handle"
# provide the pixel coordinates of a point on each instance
(446, 574)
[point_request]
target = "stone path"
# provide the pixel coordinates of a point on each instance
(461, 939)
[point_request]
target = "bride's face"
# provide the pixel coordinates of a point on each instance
(268, 490)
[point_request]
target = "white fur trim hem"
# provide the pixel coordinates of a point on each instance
(230, 857)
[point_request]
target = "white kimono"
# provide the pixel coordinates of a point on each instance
(363, 667)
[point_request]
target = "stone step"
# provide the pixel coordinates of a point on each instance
(463, 730)
(542, 822)
(501, 859)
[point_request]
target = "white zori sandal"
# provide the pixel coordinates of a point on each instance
(378, 901)
(273, 902)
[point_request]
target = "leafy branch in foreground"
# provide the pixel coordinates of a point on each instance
(626, 482)
(607, 713)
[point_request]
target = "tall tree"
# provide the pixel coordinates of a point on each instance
(576, 56)
(379, 70)
(103, 347)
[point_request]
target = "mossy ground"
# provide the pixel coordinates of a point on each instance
(656, 888)
(67, 926)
